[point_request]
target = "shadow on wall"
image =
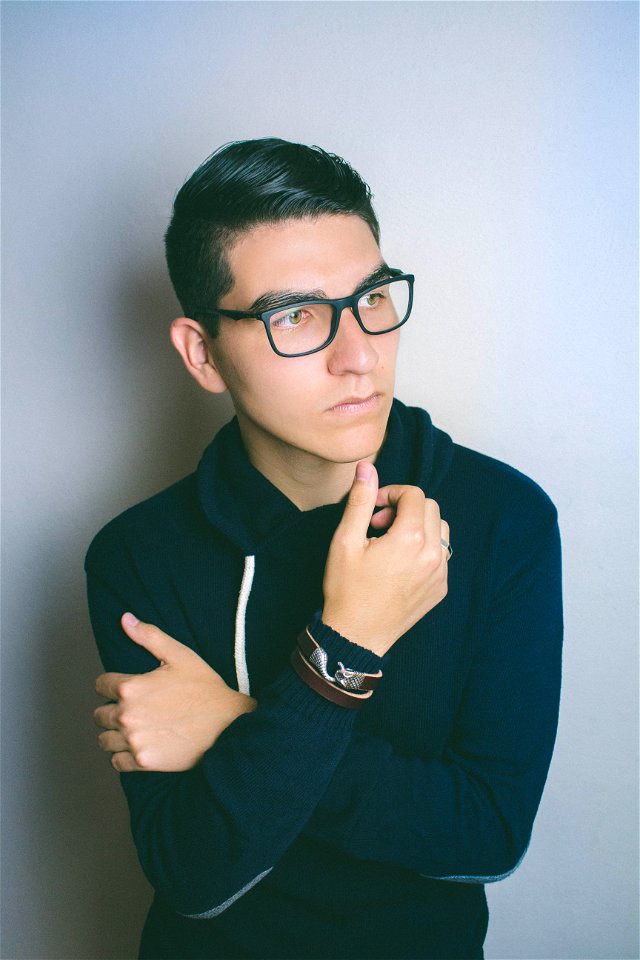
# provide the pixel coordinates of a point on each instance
(87, 871)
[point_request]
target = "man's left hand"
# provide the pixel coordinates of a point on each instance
(166, 719)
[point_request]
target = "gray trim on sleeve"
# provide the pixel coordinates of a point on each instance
(208, 914)
(487, 879)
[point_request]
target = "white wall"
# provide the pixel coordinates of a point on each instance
(500, 141)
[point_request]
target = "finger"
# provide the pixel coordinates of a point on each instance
(124, 763)
(360, 502)
(391, 495)
(111, 741)
(382, 499)
(163, 647)
(108, 684)
(107, 716)
(434, 534)
(409, 505)
(432, 521)
(445, 537)
(383, 518)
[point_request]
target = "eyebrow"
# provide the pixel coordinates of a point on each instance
(280, 298)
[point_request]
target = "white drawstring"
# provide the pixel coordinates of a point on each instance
(242, 674)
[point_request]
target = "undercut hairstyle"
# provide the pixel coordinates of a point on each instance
(241, 185)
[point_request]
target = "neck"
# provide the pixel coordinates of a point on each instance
(307, 480)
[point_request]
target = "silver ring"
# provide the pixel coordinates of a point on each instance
(446, 546)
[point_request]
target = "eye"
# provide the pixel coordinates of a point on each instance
(289, 318)
(372, 299)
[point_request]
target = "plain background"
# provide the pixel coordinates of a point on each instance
(500, 140)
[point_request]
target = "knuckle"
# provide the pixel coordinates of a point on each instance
(142, 758)
(341, 540)
(128, 689)
(433, 556)
(414, 536)
(415, 497)
(147, 631)
(125, 720)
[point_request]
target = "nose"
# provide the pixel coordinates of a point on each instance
(353, 350)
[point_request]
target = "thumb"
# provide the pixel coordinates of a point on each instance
(159, 644)
(361, 501)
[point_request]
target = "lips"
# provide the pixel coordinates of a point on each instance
(341, 403)
(354, 402)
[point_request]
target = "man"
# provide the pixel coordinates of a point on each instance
(347, 736)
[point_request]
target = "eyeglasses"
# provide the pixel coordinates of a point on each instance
(304, 327)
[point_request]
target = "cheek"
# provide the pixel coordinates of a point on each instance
(282, 387)
(387, 350)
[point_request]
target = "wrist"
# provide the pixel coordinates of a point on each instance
(374, 643)
(241, 703)
(348, 684)
(323, 685)
(340, 644)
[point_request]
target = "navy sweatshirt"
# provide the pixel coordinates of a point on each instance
(309, 830)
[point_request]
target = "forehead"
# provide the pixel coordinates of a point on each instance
(332, 252)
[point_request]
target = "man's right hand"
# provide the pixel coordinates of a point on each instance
(167, 718)
(376, 589)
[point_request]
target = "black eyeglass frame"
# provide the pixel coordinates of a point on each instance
(337, 305)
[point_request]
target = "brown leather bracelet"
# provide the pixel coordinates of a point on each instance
(359, 681)
(326, 689)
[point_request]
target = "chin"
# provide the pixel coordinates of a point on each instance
(361, 444)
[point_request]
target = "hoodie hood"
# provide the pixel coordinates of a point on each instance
(249, 510)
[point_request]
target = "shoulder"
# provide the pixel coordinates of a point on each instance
(509, 521)
(148, 526)
(463, 478)
(500, 516)
(491, 485)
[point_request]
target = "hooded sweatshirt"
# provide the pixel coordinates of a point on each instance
(309, 830)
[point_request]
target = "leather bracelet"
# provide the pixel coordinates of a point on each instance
(329, 691)
(345, 678)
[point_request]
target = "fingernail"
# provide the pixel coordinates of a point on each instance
(129, 620)
(364, 471)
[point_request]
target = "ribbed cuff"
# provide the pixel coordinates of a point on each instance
(290, 689)
(339, 649)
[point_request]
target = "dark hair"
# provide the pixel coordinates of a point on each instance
(243, 184)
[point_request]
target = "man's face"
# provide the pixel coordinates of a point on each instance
(294, 408)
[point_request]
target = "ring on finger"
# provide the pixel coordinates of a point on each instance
(446, 546)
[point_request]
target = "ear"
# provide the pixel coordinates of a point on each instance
(191, 341)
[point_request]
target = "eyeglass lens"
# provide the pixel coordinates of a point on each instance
(300, 328)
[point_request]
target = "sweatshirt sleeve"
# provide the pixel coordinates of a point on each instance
(204, 837)
(467, 815)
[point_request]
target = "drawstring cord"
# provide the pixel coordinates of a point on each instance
(240, 653)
